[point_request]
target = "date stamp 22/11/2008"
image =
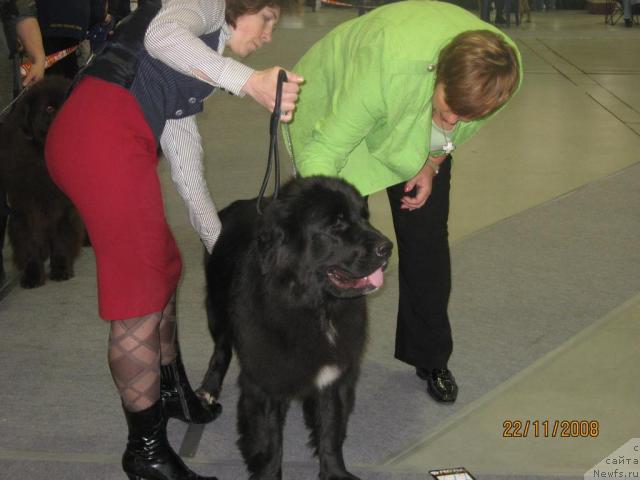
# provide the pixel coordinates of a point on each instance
(550, 428)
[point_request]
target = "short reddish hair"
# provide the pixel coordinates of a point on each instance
(479, 71)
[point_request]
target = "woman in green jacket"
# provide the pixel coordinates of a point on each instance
(387, 98)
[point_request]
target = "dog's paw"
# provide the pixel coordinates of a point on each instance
(32, 277)
(60, 273)
(207, 398)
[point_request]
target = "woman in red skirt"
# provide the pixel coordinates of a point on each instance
(142, 91)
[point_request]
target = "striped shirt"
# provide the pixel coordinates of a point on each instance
(172, 37)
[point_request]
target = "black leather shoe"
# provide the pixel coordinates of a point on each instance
(440, 384)
(178, 399)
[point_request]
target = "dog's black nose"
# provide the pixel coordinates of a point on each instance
(383, 249)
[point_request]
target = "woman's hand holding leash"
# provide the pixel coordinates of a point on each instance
(35, 73)
(261, 86)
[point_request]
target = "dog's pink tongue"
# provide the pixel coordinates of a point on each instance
(376, 278)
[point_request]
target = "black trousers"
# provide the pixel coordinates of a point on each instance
(423, 333)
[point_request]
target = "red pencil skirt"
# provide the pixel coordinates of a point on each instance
(101, 152)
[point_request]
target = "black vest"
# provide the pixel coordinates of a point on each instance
(165, 93)
(162, 92)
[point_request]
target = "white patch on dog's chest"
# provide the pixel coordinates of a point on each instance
(327, 375)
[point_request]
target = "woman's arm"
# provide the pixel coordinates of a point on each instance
(28, 32)
(356, 105)
(182, 147)
(172, 37)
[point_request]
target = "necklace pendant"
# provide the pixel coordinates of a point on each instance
(448, 147)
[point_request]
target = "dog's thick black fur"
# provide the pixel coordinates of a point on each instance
(286, 290)
(43, 223)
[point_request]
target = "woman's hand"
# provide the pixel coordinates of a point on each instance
(261, 86)
(423, 183)
(35, 73)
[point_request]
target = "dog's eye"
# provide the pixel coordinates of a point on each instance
(340, 225)
(50, 109)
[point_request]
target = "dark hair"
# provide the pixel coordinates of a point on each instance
(237, 8)
(479, 71)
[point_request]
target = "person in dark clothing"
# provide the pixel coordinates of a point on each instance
(64, 25)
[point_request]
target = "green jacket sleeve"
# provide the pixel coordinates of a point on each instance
(356, 105)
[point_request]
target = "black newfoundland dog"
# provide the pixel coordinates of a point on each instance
(42, 223)
(286, 290)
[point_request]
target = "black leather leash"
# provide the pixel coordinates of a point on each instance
(273, 160)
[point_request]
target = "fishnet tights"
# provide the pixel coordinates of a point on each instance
(134, 360)
(137, 346)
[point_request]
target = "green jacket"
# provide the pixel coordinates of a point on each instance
(364, 111)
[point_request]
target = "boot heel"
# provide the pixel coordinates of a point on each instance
(178, 398)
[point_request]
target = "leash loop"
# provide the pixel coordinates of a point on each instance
(273, 160)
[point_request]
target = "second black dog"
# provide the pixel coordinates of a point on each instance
(286, 290)
(43, 224)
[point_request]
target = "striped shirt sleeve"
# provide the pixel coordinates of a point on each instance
(172, 37)
(182, 147)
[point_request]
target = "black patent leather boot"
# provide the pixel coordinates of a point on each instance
(178, 399)
(148, 455)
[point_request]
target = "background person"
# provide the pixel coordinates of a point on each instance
(627, 11)
(64, 25)
(387, 97)
(144, 88)
(20, 24)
